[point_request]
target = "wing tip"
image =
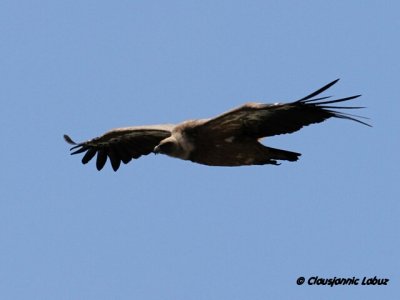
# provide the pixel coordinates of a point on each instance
(333, 82)
(69, 140)
(319, 91)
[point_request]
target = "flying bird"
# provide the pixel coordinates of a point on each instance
(230, 139)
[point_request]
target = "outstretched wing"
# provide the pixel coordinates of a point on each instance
(121, 144)
(261, 120)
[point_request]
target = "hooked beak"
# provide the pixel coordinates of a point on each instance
(156, 150)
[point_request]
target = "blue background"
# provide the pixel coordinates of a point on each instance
(162, 228)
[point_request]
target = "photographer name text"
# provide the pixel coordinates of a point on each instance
(335, 281)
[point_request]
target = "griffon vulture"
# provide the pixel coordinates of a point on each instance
(230, 139)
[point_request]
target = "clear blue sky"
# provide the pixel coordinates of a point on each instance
(162, 228)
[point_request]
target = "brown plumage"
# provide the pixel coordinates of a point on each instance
(231, 139)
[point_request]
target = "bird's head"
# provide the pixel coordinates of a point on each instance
(167, 148)
(170, 147)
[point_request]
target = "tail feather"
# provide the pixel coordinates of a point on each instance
(279, 154)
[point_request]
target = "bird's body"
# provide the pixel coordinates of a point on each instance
(231, 139)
